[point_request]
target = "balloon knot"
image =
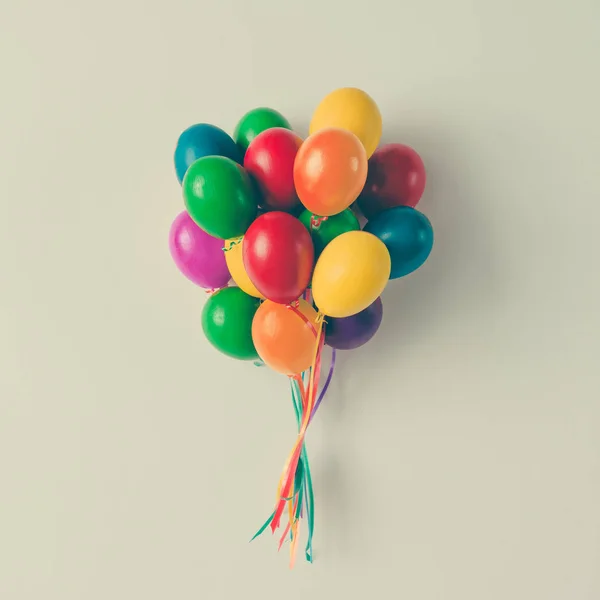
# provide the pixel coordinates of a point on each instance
(315, 222)
(232, 243)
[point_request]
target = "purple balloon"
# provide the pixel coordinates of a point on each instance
(198, 256)
(351, 332)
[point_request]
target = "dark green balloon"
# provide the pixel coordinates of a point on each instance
(219, 196)
(227, 322)
(256, 121)
(322, 233)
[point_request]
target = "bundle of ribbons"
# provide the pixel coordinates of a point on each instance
(295, 240)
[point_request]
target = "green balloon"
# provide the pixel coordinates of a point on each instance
(219, 196)
(227, 322)
(256, 121)
(323, 231)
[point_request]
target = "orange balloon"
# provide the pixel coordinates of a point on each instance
(330, 171)
(284, 339)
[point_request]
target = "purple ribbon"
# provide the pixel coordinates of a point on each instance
(324, 390)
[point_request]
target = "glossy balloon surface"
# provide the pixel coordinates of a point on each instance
(351, 109)
(227, 322)
(278, 256)
(202, 140)
(219, 196)
(284, 339)
(330, 171)
(323, 230)
(350, 274)
(198, 255)
(235, 263)
(270, 161)
(408, 236)
(396, 178)
(355, 331)
(254, 122)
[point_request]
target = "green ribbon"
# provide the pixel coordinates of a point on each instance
(307, 487)
(302, 483)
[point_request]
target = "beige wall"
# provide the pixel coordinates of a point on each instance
(456, 458)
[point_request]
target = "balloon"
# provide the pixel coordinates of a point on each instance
(256, 121)
(227, 322)
(270, 160)
(219, 196)
(198, 256)
(351, 332)
(350, 274)
(323, 230)
(396, 178)
(330, 171)
(203, 140)
(353, 110)
(284, 339)
(235, 263)
(278, 256)
(408, 236)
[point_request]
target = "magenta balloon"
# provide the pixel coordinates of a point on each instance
(198, 256)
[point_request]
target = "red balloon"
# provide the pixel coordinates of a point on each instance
(278, 256)
(396, 177)
(270, 160)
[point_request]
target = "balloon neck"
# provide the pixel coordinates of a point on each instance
(231, 243)
(315, 222)
(211, 291)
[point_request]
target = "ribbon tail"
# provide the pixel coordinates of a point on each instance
(262, 529)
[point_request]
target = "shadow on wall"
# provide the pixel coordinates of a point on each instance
(458, 281)
(459, 278)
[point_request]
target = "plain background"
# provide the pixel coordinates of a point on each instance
(457, 456)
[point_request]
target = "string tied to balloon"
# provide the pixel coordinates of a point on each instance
(316, 222)
(295, 485)
(231, 243)
(295, 308)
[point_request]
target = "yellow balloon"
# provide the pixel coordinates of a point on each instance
(235, 264)
(351, 109)
(350, 274)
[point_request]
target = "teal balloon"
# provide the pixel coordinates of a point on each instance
(201, 140)
(408, 236)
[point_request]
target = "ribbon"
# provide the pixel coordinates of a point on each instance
(295, 488)
(294, 307)
(315, 222)
(326, 386)
(307, 488)
(233, 243)
(287, 479)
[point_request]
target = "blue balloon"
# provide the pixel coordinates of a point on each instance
(203, 140)
(408, 236)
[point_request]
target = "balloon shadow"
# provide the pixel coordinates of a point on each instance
(459, 272)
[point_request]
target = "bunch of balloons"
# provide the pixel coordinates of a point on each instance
(271, 231)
